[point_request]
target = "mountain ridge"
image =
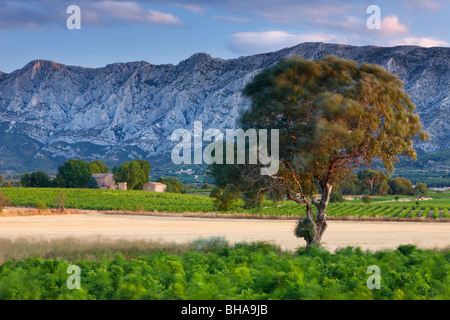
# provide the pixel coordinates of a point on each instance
(128, 110)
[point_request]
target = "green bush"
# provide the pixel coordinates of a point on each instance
(336, 197)
(366, 199)
(215, 270)
(305, 229)
(4, 201)
(92, 183)
(223, 198)
(41, 205)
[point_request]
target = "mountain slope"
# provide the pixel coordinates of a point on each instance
(50, 111)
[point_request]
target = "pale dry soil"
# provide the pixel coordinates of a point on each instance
(367, 235)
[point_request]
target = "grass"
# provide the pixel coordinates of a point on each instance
(72, 249)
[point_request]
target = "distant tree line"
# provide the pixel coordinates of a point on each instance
(74, 173)
(77, 173)
(371, 182)
(377, 183)
(5, 184)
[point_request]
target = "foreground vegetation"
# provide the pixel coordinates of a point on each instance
(135, 200)
(214, 269)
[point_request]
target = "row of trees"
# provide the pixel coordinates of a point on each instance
(376, 183)
(74, 173)
(77, 173)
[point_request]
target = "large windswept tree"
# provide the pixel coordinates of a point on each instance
(333, 116)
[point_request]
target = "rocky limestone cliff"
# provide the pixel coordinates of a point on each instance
(52, 111)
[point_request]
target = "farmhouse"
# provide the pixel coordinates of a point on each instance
(122, 185)
(154, 186)
(104, 180)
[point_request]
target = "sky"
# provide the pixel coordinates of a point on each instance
(169, 31)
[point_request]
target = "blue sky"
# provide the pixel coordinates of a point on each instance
(160, 31)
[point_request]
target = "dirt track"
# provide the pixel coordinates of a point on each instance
(367, 235)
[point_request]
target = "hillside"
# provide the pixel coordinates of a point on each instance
(50, 112)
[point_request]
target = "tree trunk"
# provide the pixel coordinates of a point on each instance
(371, 182)
(320, 227)
(320, 223)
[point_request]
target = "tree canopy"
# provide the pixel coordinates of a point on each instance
(420, 190)
(38, 179)
(98, 166)
(135, 173)
(333, 115)
(173, 184)
(74, 173)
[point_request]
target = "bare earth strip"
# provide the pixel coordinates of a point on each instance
(368, 235)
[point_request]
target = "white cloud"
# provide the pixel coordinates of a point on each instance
(391, 26)
(35, 14)
(161, 18)
(419, 41)
(129, 12)
(258, 42)
(192, 8)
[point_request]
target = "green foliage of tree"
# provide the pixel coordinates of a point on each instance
(336, 196)
(254, 199)
(38, 179)
(333, 116)
(25, 181)
(305, 229)
(382, 188)
(205, 186)
(173, 184)
(229, 181)
(7, 184)
(223, 198)
(74, 173)
(374, 181)
(98, 166)
(401, 185)
(92, 183)
(135, 173)
(367, 199)
(420, 190)
(1, 179)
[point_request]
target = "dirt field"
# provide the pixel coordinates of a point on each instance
(365, 234)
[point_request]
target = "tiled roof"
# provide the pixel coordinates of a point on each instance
(101, 175)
